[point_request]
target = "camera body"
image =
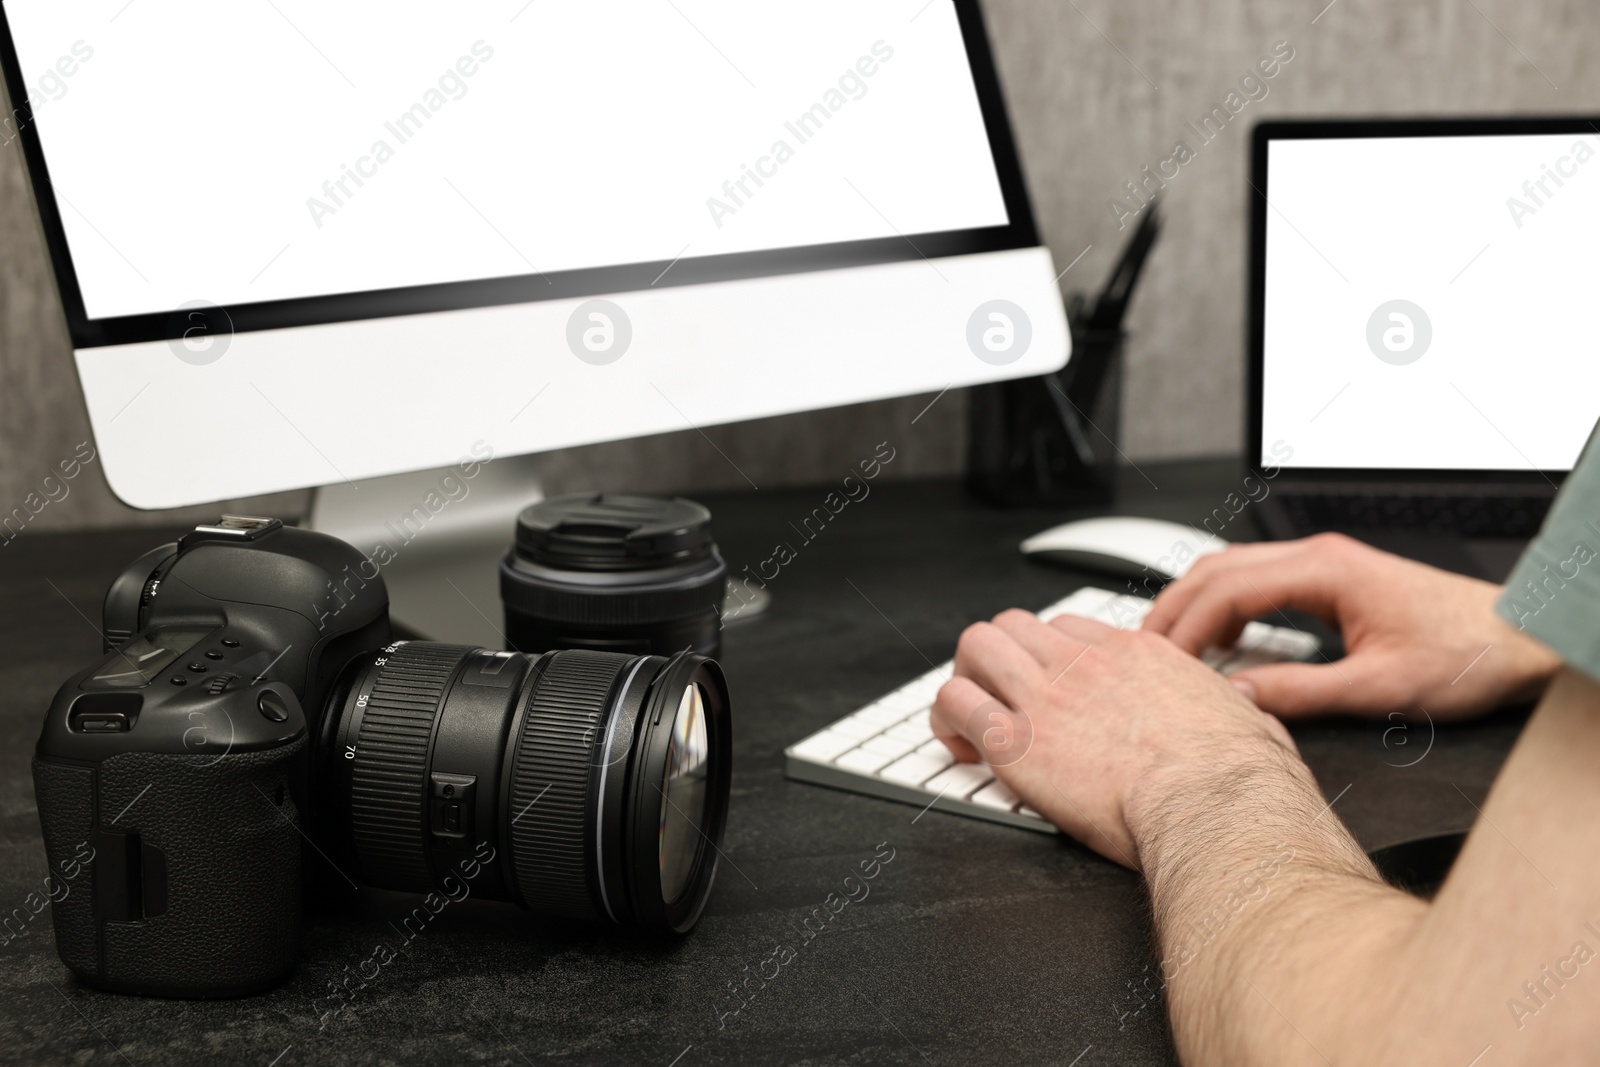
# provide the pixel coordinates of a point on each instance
(178, 762)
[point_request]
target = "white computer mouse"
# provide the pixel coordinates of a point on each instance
(1135, 548)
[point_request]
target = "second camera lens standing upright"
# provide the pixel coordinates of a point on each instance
(615, 573)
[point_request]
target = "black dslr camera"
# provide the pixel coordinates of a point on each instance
(253, 719)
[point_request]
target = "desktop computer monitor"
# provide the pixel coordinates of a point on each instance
(306, 244)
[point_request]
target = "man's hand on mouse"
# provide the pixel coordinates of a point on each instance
(1090, 725)
(1415, 637)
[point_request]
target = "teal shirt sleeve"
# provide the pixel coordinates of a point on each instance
(1553, 594)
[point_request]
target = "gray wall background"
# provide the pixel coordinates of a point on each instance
(1097, 89)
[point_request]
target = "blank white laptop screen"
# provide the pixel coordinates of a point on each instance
(1429, 302)
(347, 153)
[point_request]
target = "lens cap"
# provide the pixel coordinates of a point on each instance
(613, 532)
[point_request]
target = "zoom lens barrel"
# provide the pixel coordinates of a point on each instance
(388, 763)
(578, 784)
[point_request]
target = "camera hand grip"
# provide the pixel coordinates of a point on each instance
(196, 869)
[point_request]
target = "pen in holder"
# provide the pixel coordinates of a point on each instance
(1052, 439)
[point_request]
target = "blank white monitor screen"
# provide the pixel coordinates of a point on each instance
(1429, 302)
(242, 153)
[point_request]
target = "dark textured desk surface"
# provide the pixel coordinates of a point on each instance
(977, 944)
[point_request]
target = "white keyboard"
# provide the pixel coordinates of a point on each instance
(887, 749)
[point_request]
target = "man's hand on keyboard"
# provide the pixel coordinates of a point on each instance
(1415, 637)
(1085, 722)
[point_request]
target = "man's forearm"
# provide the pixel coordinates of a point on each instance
(1274, 928)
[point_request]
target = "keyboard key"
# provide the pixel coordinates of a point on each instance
(878, 716)
(862, 761)
(893, 747)
(906, 699)
(1030, 813)
(933, 748)
(855, 728)
(1254, 634)
(824, 747)
(913, 730)
(1278, 641)
(916, 768)
(1084, 602)
(1114, 609)
(960, 781)
(996, 795)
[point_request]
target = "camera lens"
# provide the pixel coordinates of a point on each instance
(579, 784)
(616, 573)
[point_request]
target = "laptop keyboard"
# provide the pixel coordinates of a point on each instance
(1517, 516)
(887, 749)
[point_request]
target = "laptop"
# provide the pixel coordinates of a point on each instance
(1424, 369)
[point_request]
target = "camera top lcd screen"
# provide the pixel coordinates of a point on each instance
(136, 664)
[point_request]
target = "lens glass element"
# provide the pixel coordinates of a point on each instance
(683, 794)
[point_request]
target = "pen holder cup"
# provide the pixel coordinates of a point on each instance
(1052, 440)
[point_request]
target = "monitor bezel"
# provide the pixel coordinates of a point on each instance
(1021, 232)
(1349, 129)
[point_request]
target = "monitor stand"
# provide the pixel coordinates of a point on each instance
(437, 538)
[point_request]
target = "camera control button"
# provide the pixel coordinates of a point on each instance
(178, 679)
(272, 707)
(197, 667)
(213, 654)
(228, 642)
